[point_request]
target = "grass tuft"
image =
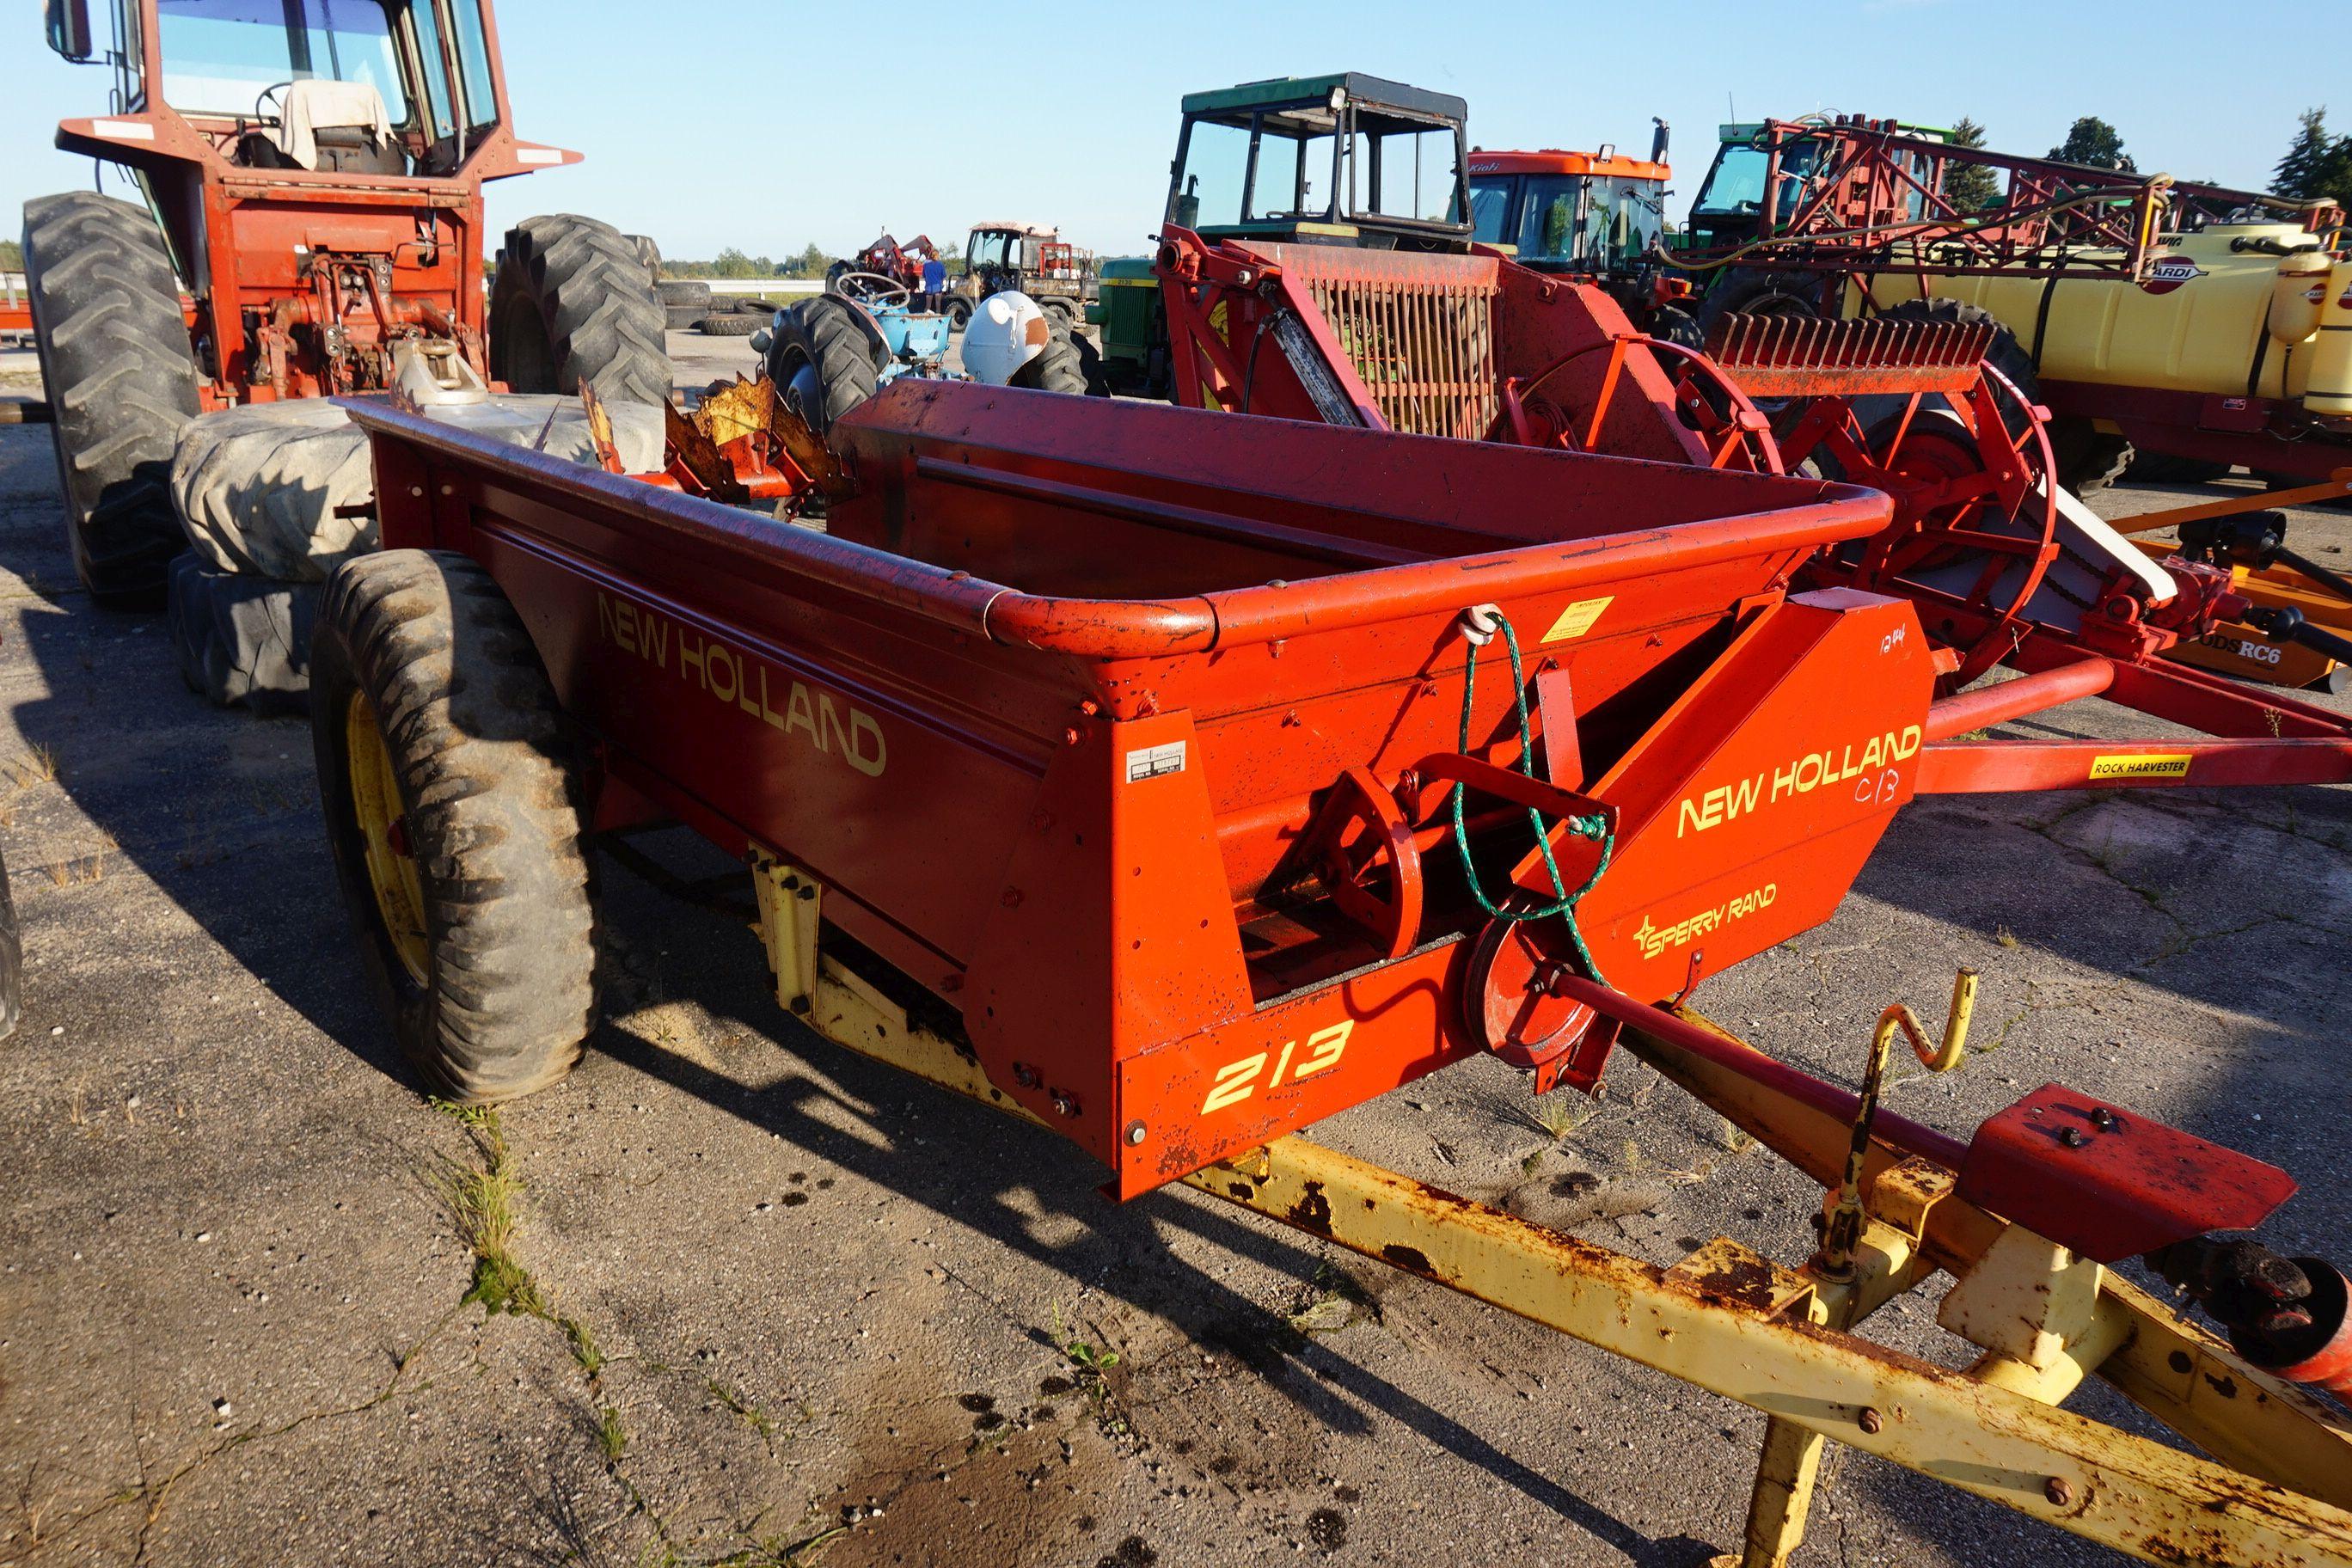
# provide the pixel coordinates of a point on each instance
(611, 1440)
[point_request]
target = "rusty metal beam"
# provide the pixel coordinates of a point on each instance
(2140, 1498)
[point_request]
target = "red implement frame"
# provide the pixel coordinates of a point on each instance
(1872, 200)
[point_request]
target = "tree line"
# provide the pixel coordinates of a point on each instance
(732, 263)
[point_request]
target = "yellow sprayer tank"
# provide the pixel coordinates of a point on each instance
(2218, 304)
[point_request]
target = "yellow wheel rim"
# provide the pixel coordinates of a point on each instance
(391, 859)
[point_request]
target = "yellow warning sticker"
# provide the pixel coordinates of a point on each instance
(2142, 765)
(1578, 618)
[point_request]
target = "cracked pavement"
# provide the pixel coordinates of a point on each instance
(832, 1305)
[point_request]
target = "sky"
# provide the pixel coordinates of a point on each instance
(770, 126)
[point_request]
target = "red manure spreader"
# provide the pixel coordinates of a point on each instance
(1173, 781)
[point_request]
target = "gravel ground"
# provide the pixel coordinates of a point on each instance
(782, 1287)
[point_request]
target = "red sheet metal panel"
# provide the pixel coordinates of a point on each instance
(2109, 1183)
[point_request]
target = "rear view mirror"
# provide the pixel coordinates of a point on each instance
(68, 22)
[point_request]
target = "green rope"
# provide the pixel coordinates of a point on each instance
(1564, 902)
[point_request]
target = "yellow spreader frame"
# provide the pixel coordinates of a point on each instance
(2277, 1490)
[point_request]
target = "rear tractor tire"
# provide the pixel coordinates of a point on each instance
(2088, 458)
(2163, 468)
(824, 361)
(455, 815)
(574, 304)
(122, 378)
(1069, 363)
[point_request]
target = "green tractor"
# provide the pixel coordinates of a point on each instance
(1346, 159)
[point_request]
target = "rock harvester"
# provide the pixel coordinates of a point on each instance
(310, 174)
(1171, 781)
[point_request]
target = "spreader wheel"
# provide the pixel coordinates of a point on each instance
(1508, 1001)
(454, 820)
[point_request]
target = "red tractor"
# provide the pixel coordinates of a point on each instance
(311, 182)
(886, 258)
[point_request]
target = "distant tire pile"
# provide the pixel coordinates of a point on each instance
(688, 305)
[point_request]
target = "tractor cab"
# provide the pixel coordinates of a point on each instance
(1337, 159)
(1590, 214)
(316, 167)
(1764, 174)
(385, 88)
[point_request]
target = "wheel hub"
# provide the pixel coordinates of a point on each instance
(384, 832)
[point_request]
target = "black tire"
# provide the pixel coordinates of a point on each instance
(241, 638)
(121, 379)
(2005, 355)
(1060, 311)
(11, 962)
(279, 491)
(824, 360)
(571, 304)
(684, 317)
(733, 324)
(958, 313)
(647, 251)
(763, 308)
(500, 990)
(1746, 291)
(1678, 323)
(2088, 458)
(683, 291)
(2163, 468)
(1069, 363)
(834, 273)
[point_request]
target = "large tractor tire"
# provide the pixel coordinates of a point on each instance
(243, 639)
(2163, 468)
(729, 324)
(122, 378)
(454, 812)
(825, 360)
(2006, 356)
(281, 490)
(683, 291)
(1067, 363)
(1747, 291)
(574, 304)
(2088, 458)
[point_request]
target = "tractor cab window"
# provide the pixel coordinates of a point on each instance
(1550, 219)
(418, 68)
(225, 56)
(1404, 169)
(988, 249)
(1252, 168)
(1735, 187)
(1490, 209)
